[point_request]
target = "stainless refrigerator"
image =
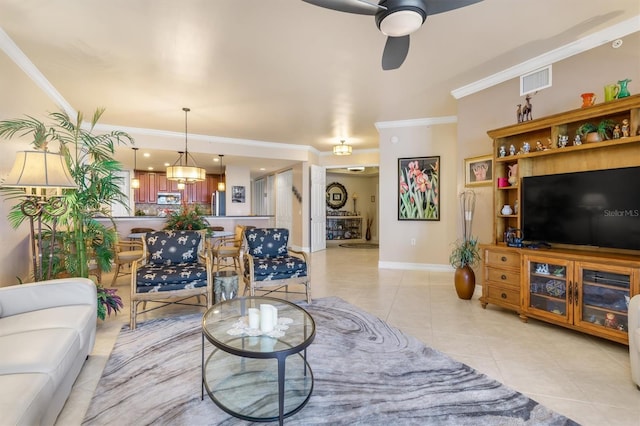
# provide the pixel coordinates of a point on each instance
(218, 203)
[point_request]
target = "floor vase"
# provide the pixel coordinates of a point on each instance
(465, 281)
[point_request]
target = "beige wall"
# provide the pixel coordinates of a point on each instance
(237, 176)
(432, 237)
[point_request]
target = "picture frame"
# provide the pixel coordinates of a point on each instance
(238, 194)
(478, 171)
(419, 188)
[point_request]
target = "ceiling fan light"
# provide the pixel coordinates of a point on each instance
(401, 23)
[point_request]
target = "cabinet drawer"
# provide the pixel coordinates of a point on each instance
(503, 276)
(503, 258)
(503, 295)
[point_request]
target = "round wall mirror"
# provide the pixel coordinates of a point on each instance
(336, 195)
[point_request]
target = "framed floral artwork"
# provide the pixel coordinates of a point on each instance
(419, 188)
(478, 170)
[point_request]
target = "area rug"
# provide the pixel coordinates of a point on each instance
(366, 373)
(360, 245)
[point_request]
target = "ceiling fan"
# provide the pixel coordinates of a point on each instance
(396, 19)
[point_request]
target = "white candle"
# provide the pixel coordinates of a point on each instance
(266, 318)
(275, 316)
(254, 318)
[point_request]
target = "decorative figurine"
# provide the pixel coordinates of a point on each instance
(542, 268)
(503, 151)
(526, 148)
(610, 320)
(625, 128)
(512, 150)
(519, 113)
(577, 141)
(551, 143)
(525, 111)
(540, 147)
(563, 140)
(616, 131)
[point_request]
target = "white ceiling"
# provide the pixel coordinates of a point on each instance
(272, 70)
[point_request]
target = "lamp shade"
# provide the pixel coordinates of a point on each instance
(40, 169)
(186, 174)
(342, 149)
(135, 183)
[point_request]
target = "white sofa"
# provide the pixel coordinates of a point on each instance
(634, 338)
(47, 330)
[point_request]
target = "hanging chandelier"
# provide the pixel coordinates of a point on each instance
(221, 185)
(185, 173)
(135, 182)
(342, 149)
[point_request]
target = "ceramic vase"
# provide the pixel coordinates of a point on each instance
(465, 282)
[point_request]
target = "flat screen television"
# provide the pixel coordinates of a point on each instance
(596, 208)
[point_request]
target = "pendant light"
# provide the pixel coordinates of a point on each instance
(221, 185)
(342, 149)
(186, 173)
(135, 182)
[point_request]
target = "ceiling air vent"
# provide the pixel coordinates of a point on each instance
(535, 80)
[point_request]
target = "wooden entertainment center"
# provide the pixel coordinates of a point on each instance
(586, 289)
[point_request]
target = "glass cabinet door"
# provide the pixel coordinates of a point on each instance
(550, 293)
(605, 297)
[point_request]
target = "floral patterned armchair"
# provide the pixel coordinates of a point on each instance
(268, 262)
(174, 267)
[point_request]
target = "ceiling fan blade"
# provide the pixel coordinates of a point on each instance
(349, 6)
(395, 52)
(439, 6)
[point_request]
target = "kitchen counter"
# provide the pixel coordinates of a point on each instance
(124, 224)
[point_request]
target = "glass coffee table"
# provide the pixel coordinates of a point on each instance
(252, 375)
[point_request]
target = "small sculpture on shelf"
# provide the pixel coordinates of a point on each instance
(526, 148)
(616, 131)
(524, 112)
(577, 141)
(542, 268)
(563, 140)
(610, 320)
(503, 151)
(540, 147)
(551, 143)
(512, 150)
(625, 128)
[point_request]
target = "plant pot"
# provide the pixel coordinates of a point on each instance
(465, 282)
(593, 137)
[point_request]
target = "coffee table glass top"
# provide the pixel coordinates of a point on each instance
(226, 325)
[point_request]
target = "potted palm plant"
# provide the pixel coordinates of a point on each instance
(589, 132)
(465, 253)
(89, 158)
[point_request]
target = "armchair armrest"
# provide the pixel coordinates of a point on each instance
(301, 254)
(23, 298)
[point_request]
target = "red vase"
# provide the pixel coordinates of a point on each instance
(465, 281)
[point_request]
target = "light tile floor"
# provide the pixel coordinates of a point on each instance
(583, 377)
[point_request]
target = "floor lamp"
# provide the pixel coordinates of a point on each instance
(42, 174)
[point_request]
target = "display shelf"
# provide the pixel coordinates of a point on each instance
(614, 153)
(344, 227)
(596, 284)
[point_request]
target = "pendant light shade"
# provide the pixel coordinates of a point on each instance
(221, 185)
(135, 182)
(342, 149)
(185, 173)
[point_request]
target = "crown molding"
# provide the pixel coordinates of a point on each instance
(20, 59)
(431, 121)
(589, 42)
(205, 138)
